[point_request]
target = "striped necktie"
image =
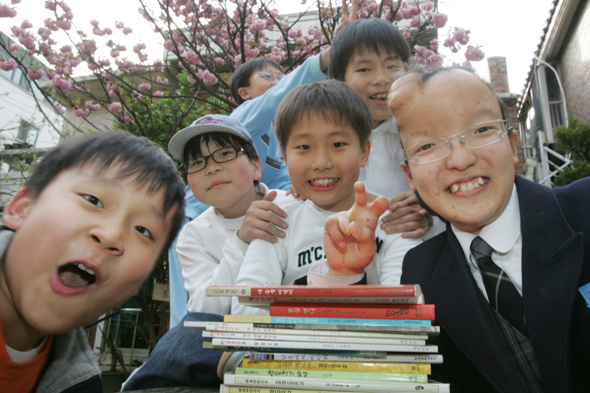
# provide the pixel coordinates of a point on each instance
(502, 294)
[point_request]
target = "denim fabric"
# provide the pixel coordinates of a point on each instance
(179, 359)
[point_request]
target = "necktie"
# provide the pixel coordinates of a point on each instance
(502, 294)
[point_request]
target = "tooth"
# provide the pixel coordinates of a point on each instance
(463, 188)
(481, 181)
(84, 268)
(454, 188)
(470, 186)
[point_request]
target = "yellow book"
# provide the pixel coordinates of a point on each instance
(378, 367)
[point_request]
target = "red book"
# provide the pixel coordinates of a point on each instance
(406, 290)
(358, 311)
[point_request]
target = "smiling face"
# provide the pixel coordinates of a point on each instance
(370, 74)
(229, 187)
(260, 81)
(82, 247)
(470, 188)
(324, 160)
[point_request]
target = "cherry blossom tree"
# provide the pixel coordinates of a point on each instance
(90, 77)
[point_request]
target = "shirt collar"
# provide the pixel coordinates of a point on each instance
(502, 234)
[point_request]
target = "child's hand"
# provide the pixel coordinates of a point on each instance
(296, 195)
(407, 217)
(349, 237)
(263, 220)
(345, 20)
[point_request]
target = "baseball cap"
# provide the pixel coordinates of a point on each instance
(204, 125)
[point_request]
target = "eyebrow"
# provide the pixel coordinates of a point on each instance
(113, 182)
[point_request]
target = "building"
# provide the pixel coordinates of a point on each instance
(558, 84)
(28, 125)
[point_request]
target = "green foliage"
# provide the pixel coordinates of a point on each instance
(577, 170)
(574, 139)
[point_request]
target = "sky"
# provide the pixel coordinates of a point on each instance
(509, 28)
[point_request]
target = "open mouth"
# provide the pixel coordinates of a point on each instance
(472, 185)
(379, 97)
(323, 182)
(76, 275)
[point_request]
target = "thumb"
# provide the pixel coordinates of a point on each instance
(270, 196)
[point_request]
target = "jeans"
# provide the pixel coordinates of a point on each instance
(179, 359)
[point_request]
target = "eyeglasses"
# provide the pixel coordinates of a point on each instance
(473, 137)
(220, 156)
(269, 75)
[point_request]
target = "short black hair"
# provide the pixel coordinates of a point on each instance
(241, 76)
(334, 100)
(136, 158)
(371, 34)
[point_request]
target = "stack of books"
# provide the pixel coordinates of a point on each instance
(360, 338)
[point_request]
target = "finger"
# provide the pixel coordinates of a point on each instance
(345, 9)
(333, 232)
(270, 196)
(361, 233)
(360, 194)
(416, 234)
(411, 211)
(406, 196)
(379, 205)
(355, 8)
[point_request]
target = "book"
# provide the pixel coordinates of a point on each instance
(311, 338)
(232, 379)
(266, 301)
(338, 375)
(249, 389)
(432, 358)
(361, 311)
(357, 366)
(248, 328)
(326, 321)
(351, 291)
(231, 348)
(319, 346)
(430, 330)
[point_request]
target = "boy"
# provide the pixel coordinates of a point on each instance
(223, 171)
(370, 65)
(323, 130)
(79, 239)
(461, 161)
(256, 114)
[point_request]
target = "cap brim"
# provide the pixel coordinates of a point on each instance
(182, 137)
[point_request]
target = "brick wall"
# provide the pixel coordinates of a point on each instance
(574, 65)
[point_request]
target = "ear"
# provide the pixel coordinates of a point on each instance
(244, 92)
(17, 209)
(366, 151)
(409, 176)
(257, 174)
(514, 141)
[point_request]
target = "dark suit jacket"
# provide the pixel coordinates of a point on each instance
(555, 227)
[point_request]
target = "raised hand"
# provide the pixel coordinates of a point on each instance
(407, 217)
(264, 220)
(349, 237)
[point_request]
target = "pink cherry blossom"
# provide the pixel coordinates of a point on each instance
(92, 105)
(8, 65)
(35, 74)
(6, 11)
(474, 53)
(79, 112)
(144, 87)
(115, 107)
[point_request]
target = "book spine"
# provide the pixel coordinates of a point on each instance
(392, 358)
(306, 345)
(248, 328)
(312, 338)
(357, 366)
(337, 375)
(434, 330)
(300, 383)
(260, 301)
(309, 291)
(326, 321)
(364, 311)
(247, 389)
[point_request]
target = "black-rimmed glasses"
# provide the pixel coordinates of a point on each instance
(220, 156)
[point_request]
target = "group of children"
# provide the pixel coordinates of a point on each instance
(276, 191)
